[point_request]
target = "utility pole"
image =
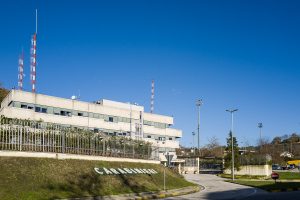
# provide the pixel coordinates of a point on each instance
(232, 149)
(199, 103)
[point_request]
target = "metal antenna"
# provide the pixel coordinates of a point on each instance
(21, 71)
(152, 97)
(36, 21)
(33, 57)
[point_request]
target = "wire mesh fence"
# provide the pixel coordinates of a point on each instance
(26, 135)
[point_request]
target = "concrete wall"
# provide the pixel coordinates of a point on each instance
(191, 169)
(259, 170)
(72, 156)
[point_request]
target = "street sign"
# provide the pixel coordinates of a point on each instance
(275, 176)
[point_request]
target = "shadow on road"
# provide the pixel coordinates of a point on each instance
(239, 194)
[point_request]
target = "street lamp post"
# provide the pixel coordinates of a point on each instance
(232, 152)
(199, 103)
(193, 141)
(260, 125)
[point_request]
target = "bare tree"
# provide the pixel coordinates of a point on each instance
(213, 148)
(213, 142)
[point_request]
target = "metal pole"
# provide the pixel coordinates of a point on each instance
(198, 104)
(198, 128)
(232, 146)
(260, 134)
(166, 162)
(260, 125)
(232, 149)
(194, 142)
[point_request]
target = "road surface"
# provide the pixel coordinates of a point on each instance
(217, 189)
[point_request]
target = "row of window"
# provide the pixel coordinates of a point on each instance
(156, 124)
(69, 113)
(159, 138)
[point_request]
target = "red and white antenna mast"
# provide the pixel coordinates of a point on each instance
(152, 97)
(33, 57)
(21, 71)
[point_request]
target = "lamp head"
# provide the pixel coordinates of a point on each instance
(199, 102)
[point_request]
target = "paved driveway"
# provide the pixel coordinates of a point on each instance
(216, 188)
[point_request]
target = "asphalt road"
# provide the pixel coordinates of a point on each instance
(217, 189)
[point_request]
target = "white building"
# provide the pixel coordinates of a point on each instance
(110, 117)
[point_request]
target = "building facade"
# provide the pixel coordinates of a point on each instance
(110, 117)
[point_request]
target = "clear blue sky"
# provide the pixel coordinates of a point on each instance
(232, 54)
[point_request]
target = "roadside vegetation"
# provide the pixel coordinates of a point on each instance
(41, 178)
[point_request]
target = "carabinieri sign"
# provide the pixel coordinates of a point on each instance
(116, 171)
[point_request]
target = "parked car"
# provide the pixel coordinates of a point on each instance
(276, 167)
(291, 166)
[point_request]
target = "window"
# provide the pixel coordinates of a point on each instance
(23, 106)
(110, 119)
(44, 110)
(50, 110)
(37, 109)
(115, 119)
(149, 136)
(96, 115)
(65, 113)
(15, 104)
(105, 118)
(30, 106)
(96, 130)
(56, 111)
(80, 114)
(170, 138)
(91, 115)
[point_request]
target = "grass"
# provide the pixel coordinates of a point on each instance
(41, 178)
(289, 175)
(268, 185)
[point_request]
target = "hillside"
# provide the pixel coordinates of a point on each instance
(41, 178)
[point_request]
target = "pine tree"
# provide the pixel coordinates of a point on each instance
(228, 162)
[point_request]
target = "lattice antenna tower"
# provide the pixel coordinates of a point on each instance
(152, 97)
(33, 57)
(21, 71)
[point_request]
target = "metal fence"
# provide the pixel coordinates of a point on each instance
(26, 135)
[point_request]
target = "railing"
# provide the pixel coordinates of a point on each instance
(25, 135)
